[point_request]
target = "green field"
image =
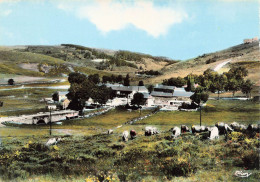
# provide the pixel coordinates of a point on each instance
(87, 153)
(106, 158)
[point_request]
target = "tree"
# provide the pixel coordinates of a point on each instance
(138, 99)
(11, 81)
(238, 73)
(247, 87)
(199, 97)
(127, 80)
(178, 82)
(190, 84)
(150, 88)
(101, 94)
(141, 83)
(55, 96)
(233, 85)
(94, 78)
(220, 83)
(106, 79)
(75, 77)
(119, 78)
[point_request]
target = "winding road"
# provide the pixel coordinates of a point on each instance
(219, 66)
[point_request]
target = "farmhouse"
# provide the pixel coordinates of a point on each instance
(170, 96)
(128, 91)
(248, 41)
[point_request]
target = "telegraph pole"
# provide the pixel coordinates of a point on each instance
(200, 114)
(50, 121)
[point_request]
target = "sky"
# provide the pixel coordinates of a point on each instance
(177, 29)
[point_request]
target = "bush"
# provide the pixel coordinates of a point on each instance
(251, 159)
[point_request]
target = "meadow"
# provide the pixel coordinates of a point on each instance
(105, 157)
(87, 153)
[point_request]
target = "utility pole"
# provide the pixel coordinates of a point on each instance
(200, 114)
(50, 121)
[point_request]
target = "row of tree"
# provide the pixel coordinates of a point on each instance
(211, 81)
(82, 88)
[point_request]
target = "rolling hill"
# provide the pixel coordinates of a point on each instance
(241, 55)
(58, 61)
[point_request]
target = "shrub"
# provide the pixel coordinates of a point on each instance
(251, 159)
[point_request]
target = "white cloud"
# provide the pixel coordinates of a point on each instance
(113, 15)
(5, 12)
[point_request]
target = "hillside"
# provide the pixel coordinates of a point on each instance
(243, 54)
(57, 61)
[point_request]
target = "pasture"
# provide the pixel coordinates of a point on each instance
(105, 157)
(87, 153)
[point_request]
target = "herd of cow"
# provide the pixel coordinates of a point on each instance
(220, 128)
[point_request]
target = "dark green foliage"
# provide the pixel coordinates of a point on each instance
(94, 78)
(55, 96)
(11, 81)
(138, 99)
(127, 80)
(188, 106)
(150, 88)
(190, 84)
(247, 87)
(150, 72)
(76, 78)
(101, 94)
(199, 97)
(177, 82)
(112, 79)
(141, 83)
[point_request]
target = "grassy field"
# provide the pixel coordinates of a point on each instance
(23, 101)
(215, 111)
(86, 153)
(106, 158)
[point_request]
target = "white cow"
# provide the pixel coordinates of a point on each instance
(198, 129)
(125, 136)
(253, 127)
(149, 130)
(184, 129)
(176, 131)
(110, 131)
(213, 133)
(223, 128)
(53, 141)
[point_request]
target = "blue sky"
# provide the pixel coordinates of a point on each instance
(178, 29)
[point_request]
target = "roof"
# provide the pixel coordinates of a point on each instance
(178, 92)
(181, 92)
(146, 95)
(130, 88)
(165, 87)
(63, 93)
(161, 94)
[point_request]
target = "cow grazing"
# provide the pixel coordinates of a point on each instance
(223, 128)
(125, 136)
(253, 127)
(149, 130)
(213, 133)
(184, 129)
(238, 127)
(110, 131)
(235, 126)
(198, 129)
(176, 131)
(133, 134)
(52, 141)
